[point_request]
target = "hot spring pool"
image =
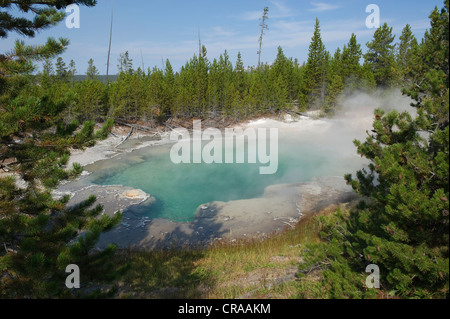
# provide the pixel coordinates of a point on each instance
(180, 189)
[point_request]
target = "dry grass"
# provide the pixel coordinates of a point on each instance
(246, 269)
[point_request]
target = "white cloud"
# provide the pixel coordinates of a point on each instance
(282, 10)
(277, 10)
(250, 15)
(321, 6)
(219, 32)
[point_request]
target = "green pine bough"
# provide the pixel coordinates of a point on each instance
(404, 228)
(39, 235)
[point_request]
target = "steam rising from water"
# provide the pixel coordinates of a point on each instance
(355, 117)
(308, 148)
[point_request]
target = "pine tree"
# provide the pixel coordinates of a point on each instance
(48, 73)
(92, 72)
(404, 230)
(405, 49)
(313, 86)
(72, 71)
(169, 87)
(368, 80)
(351, 67)
(123, 96)
(225, 78)
(335, 84)
(280, 94)
(214, 87)
(45, 15)
(61, 69)
(233, 106)
(239, 75)
(137, 95)
(48, 68)
(91, 100)
(334, 89)
(285, 67)
(31, 17)
(380, 56)
(202, 69)
(35, 229)
(254, 99)
(125, 63)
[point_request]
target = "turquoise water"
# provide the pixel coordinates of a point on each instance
(180, 189)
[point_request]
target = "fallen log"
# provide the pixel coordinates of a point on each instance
(297, 113)
(4, 165)
(137, 127)
(126, 138)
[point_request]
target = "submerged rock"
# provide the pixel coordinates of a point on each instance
(113, 198)
(136, 194)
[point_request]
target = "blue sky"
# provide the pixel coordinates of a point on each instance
(168, 29)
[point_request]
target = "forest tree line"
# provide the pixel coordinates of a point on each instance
(223, 88)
